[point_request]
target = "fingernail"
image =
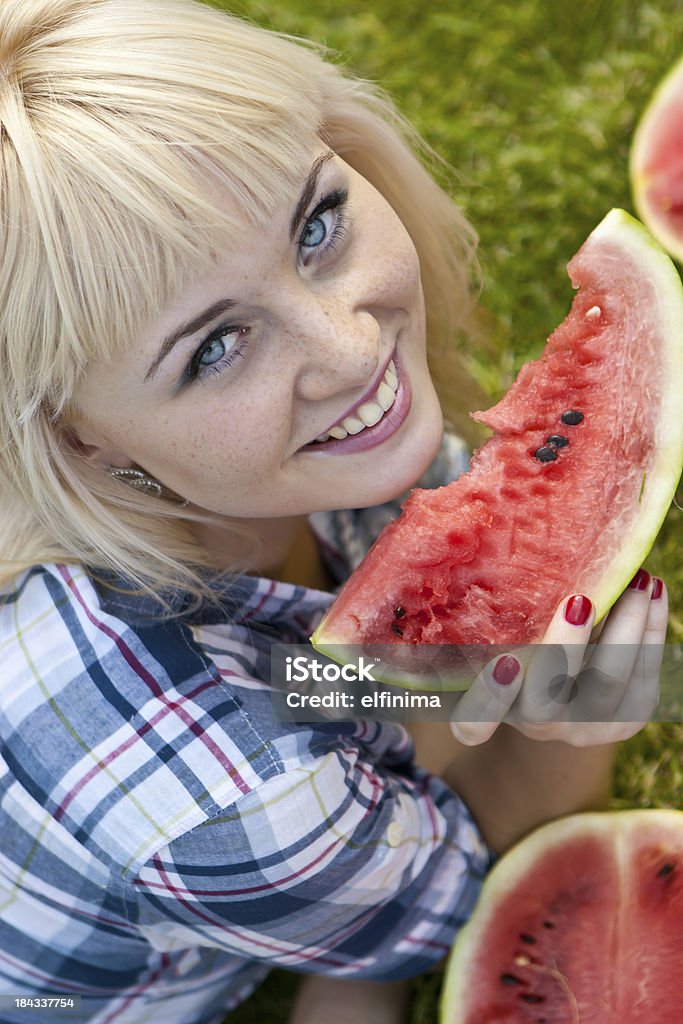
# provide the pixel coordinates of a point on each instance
(578, 610)
(657, 588)
(506, 669)
(641, 580)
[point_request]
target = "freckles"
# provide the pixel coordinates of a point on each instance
(397, 258)
(403, 278)
(409, 272)
(219, 451)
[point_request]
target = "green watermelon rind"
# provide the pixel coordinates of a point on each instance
(660, 486)
(612, 827)
(628, 234)
(668, 89)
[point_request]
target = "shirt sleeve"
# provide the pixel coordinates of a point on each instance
(340, 864)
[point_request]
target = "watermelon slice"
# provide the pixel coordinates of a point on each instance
(569, 494)
(657, 163)
(580, 922)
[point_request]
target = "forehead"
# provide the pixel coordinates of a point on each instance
(185, 242)
(242, 226)
(231, 257)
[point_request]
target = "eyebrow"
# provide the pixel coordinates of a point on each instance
(223, 305)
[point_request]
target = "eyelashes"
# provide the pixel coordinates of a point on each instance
(310, 241)
(320, 236)
(202, 371)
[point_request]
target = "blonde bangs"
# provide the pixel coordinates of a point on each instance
(110, 157)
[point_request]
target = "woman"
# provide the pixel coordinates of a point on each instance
(221, 264)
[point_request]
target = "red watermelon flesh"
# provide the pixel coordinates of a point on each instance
(488, 558)
(581, 922)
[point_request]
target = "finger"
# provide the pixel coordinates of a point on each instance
(641, 698)
(608, 671)
(597, 629)
(483, 707)
(555, 663)
(625, 623)
(658, 613)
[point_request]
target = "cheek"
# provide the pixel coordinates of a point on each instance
(399, 265)
(230, 438)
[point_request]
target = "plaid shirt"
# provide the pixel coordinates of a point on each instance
(164, 841)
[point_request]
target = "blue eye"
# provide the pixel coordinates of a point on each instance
(217, 352)
(212, 352)
(316, 230)
(325, 227)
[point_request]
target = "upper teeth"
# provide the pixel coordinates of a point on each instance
(370, 412)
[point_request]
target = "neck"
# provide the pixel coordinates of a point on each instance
(285, 549)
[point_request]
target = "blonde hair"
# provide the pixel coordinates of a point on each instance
(109, 111)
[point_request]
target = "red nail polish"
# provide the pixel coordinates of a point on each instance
(641, 580)
(578, 610)
(505, 670)
(657, 588)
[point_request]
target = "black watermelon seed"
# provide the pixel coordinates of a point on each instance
(572, 417)
(545, 454)
(396, 629)
(399, 612)
(529, 997)
(557, 441)
(525, 937)
(548, 924)
(511, 979)
(665, 870)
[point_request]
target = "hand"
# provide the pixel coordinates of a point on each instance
(576, 687)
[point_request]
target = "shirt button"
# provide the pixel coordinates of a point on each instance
(394, 834)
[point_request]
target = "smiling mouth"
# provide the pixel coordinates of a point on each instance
(369, 412)
(371, 424)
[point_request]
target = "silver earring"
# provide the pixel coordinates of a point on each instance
(143, 482)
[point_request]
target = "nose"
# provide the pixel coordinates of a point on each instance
(337, 346)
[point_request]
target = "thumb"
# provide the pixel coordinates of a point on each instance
(483, 707)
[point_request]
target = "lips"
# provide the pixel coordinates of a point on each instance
(366, 437)
(368, 395)
(368, 412)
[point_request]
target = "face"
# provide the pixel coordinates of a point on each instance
(312, 327)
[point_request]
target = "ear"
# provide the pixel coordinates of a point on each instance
(89, 445)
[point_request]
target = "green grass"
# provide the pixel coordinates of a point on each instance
(534, 103)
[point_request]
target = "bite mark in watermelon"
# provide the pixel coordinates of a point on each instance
(656, 165)
(580, 922)
(487, 559)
